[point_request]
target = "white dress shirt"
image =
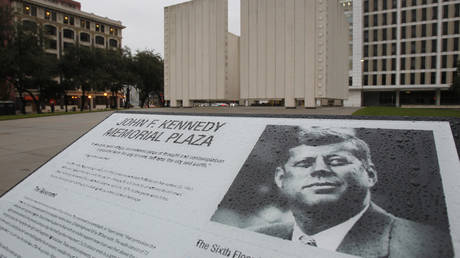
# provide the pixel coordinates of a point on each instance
(330, 238)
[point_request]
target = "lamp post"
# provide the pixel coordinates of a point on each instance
(106, 100)
(90, 102)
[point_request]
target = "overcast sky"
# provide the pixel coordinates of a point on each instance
(144, 19)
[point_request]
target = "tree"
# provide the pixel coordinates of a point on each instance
(6, 34)
(79, 67)
(148, 68)
(26, 64)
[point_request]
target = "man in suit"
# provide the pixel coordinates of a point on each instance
(326, 177)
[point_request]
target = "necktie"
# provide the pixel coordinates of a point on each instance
(307, 240)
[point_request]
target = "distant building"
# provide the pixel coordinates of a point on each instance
(65, 24)
(201, 56)
(291, 52)
(404, 51)
(294, 51)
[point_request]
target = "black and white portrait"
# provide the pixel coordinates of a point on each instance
(359, 191)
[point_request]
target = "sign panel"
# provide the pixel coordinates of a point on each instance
(151, 185)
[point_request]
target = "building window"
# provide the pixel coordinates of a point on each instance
(100, 27)
(403, 64)
(384, 64)
(423, 47)
(413, 47)
(393, 79)
(402, 79)
(403, 17)
(444, 61)
(376, 20)
(445, 11)
(445, 28)
(85, 24)
(113, 43)
(366, 50)
(434, 48)
(433, 78)
(412, 63)
(375, 50)
(374, 79)
(456, 27)
(384, 34)
(455, 44)
(423, 14)
(384, 17)
(50, 44)
(434, 13)
(423, 30)
(393, 33)
(376, 5)
(403, 32)
(366, 21)
(366, 36)
(403, 3)
(384, 49)
(422, 78)
(84, 37)
(50, 30)
(384, 5)
(433, 62)
(100, 40)
(454, 61)
(68, 45)
(113, 31)
(414, 2)
(422, 62)
(374, 65)
(366, 65)
(365, 80)
(384, 79)
(27, 9)
(376, 35)
(412, 78)
(393, 48)
(50, 15)
(403, 48)
(394, 18)
(444, 45)
(393, 64)
(413, 31)
(414, 15)
(443, 77)
(394, 4)
(68, 34)
(434, 29)
(457, 10)
(366, 6)
(69, 20)
(29, 26)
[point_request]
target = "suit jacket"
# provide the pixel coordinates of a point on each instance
(380, 234)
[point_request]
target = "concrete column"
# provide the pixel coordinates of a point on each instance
(438, 97)
(289, 103)
(187, 103)
(173, 103)
(398, 102)
(310, 102)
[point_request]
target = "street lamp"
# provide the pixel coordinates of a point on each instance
(90, 102)
(106, 100)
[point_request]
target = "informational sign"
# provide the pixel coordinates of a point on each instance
(152, 185)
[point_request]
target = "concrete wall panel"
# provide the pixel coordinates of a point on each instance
(196, 54)
(295, 49)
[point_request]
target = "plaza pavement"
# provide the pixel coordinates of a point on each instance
(25, 144)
